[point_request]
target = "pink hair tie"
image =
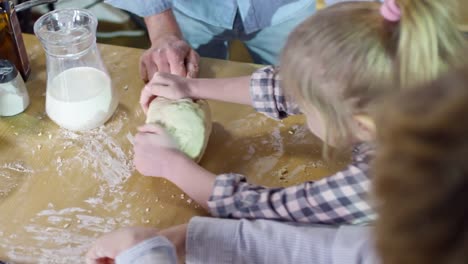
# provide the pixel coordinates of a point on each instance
(390, 11)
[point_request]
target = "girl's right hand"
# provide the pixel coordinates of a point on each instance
(155, 151)
(166, 85)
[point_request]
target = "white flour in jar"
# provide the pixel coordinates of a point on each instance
(80, 98)
(12, 103)
(14, 97)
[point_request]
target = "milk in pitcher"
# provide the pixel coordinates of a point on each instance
(80, 98)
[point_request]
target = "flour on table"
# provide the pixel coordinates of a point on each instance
(69, 245)
(98, 151)
(11, 174)
(69, 232)
(265, 151)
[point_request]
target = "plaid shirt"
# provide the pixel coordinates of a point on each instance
(337, 199)
(267, 95)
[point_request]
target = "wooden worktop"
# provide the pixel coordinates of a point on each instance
(59, 190)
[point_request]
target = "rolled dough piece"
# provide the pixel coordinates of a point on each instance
(187, 121)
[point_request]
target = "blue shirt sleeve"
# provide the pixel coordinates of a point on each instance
(142, 8)
(154, 250)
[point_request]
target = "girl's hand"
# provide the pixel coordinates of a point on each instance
(156, 153)
(107, 247)
(168, 86)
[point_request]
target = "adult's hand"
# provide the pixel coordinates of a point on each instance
(169, 54)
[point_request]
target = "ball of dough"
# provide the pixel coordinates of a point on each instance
(187, 121)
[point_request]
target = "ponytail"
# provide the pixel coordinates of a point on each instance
(347, 58)
(429, 40)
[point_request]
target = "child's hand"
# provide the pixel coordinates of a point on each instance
(156, 155)
(156, 152)
(107, 247)
(165, 85)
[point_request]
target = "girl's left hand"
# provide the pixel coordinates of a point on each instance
(156, 153)
(168, 86)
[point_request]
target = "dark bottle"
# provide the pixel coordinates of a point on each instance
(11, 40)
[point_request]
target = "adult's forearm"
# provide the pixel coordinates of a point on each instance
(233, 90)
(162, 24)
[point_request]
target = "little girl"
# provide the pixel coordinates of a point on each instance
(337, 66)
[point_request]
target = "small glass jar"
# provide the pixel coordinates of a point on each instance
(14, 98)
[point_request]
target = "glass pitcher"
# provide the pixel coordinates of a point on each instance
(79, 93)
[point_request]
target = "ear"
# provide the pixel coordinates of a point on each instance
(366, 127)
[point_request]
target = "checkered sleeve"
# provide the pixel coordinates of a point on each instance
(268, 96)
(338, 199)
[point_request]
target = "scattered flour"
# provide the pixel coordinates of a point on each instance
(69, 232)
(11, 174)
(277, 142)
(16, 166)
(98, 151)
(297, 171)
(264, 151)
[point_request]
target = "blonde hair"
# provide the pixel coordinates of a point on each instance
(421, 174)
(347, 56)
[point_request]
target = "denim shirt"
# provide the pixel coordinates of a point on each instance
(255, 14)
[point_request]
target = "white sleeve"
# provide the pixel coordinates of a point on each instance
(225, 241)
(154, 250)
